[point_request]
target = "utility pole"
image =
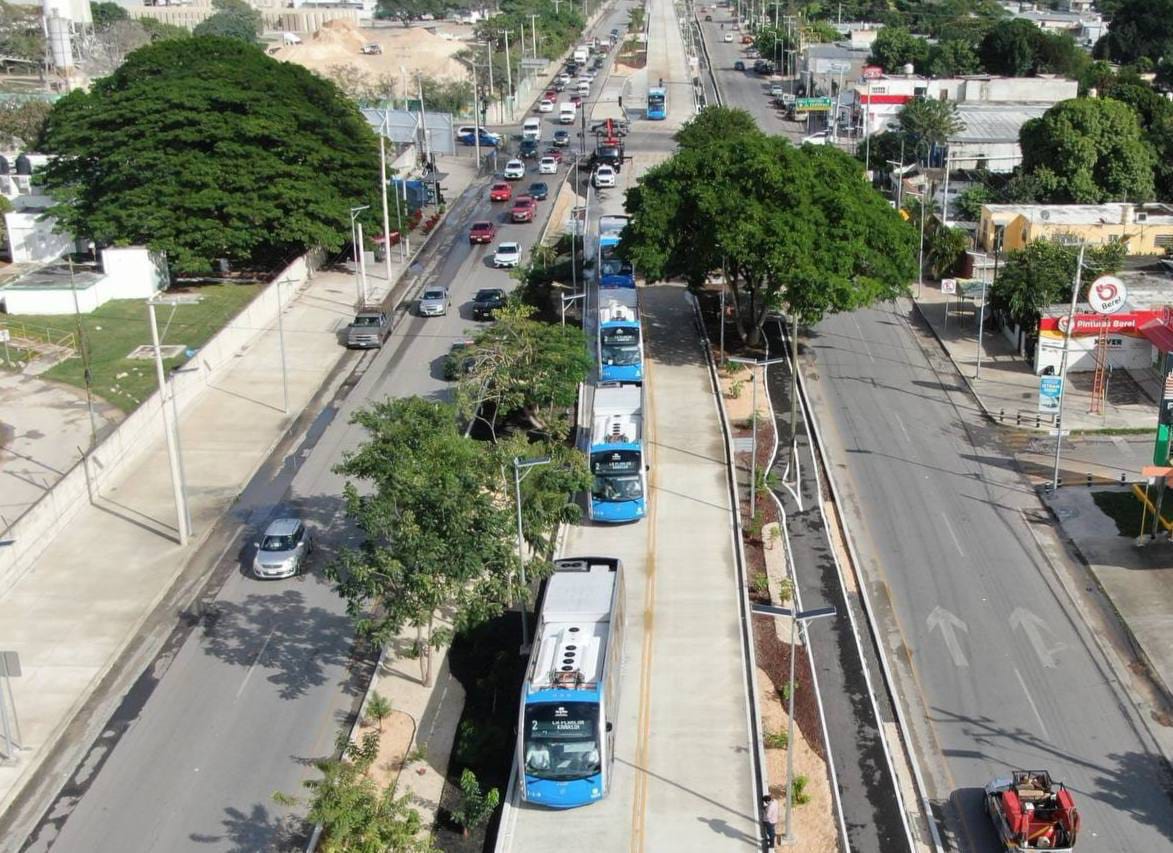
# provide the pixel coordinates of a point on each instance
(489, 48)
(982, 318)
(1063, 365)
(423, 125)
(508, 74)
(533, 28)
(85, 358)
(383, 193)
(178, 489)
(476, 116)
(518, 465)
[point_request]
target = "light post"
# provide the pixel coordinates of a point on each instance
(383, 193)
(753, 470)
(518, 466)
(178, 435)
(178, 488)
(570, 298)
(982, 317)
(508, 73)
(802, 616)
(354, 240)
(1063, 365)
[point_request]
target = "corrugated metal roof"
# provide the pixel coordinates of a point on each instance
(995, 123)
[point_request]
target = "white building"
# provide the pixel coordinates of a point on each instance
(129, 272)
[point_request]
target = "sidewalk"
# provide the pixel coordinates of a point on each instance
(92, 590)
(1008, 388)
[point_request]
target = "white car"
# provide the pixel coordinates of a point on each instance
(514, 170)
(563, 79)
(604, 177)
(728, 37)
(507, 255)
(820, 138)
(546, 106)
(547, 166)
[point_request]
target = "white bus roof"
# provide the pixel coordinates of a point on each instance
(618, 415)
(618, 306)
(610, 226)
(574, 626)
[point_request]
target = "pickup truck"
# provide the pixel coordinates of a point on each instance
(369, 328)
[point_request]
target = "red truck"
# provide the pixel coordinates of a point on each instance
(1030, 812)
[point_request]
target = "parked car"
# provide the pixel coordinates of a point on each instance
(777, 90)
(523, 209)
(369, 328)
(823, 137)
(546, 105)
(604, 176)
(283, 549)
(514, 170)
(500, 191)
(727, 38)
(372, 49)
(739, 65)
(747, 39)
(482, 232)
(562, 138)
(539, 191)
(433, 302)
(547, 166)
(489, 299)
(507, 255)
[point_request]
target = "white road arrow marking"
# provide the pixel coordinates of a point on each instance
(949, 623)
(1034, 626)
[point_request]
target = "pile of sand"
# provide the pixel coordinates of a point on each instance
(415, 49)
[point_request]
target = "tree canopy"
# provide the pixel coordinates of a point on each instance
(206, 148)
(21, 122)
(105, 13)
(930, 121)
(895, 46)
(1088, 151)
(1139, 29)
(793, 228)
(1018, 48)
(234, 19)
(1042, 274)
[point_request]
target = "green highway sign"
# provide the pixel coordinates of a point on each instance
(812, 103)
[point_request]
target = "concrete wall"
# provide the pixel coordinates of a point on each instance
(34, 530)
(132, 272)
(31, 239)
(992, 156)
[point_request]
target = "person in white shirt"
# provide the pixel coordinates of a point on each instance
(770, 819)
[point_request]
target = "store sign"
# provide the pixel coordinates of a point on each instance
(1107, 294)
(1050, 389)
(1093, 324)
(872, 72)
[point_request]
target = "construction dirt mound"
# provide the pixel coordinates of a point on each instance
(412, 49)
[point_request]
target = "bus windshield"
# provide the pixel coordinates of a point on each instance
(620, 345)
(617, 475)
(655, 99)
(561, 740)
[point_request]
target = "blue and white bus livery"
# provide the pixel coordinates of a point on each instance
(619, 484)
(620, 339)
(657, 103)
(570, 697)
(612, 270)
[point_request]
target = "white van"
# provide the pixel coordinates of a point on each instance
(581, 54)
(567, 113)
(584, 88)
(531, 128)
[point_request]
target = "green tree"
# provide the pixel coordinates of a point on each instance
(21, 123)
(476, 807)
(895, 46)
(1138, 28)
(22, 37)
(235, 20)
(378, 708)
(106, 13)
(206, 148)
(522, 367)
(1098, 75)
(953, 58)
(1009, 48)
(411, 10)
(356, 816)
(929, 121)
(437, 531)
(796, 229)
(447, 96)
(944, 249)
(1042, 274)
(970, 200)
(160, 31)
(1088, 151)
(1057, 53)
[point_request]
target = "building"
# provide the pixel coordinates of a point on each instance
(989, 139)
(277, 16)
(838, 62)
(126, 272)
(1145, 229)
(32, 236)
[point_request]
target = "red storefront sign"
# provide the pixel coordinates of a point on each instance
(1093, 324)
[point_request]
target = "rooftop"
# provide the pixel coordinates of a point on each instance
(998, 122)
(58, 276)
(1082, 214)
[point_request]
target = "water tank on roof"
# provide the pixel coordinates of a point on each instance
(908, 69)
(24, 166)
(4, 167)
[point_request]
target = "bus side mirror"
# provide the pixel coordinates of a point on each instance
(610, 726)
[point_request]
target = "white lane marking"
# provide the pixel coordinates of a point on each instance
(256, 660)
(866, 348)
(949, 527)
(902, 429)
(1033, 706)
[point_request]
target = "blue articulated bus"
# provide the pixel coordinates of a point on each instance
(621, 350)
(657, 103)
(570, 698)
(612, 270)
(619, 485)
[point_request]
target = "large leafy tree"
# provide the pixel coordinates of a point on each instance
(22, 35)
(1088, 151)
(206, 148)
(104, 14)
(437, 531)
(1009, 48)
(895, 46)
(952, 58)
(21, 122)
(1139, 29)
(794, 229)
(233, 19)
(929, 121)
(1042, 274)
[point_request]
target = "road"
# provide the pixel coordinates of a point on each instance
(237, 706)
(684, 772)
(993, 665)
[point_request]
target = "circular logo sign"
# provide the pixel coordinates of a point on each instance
(1107, 294)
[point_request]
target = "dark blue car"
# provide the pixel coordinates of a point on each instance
(539, 191)
(487, 138)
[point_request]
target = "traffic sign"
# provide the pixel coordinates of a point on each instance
(813, 103)
(1050, 389)
(1061, 433)
(949, 285)
(5, 336)
(530, 62)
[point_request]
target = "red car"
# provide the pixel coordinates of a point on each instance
(576, 100)
(523, 209)
(556, 153)
(551, 95)
(500, 191)
(482, 232)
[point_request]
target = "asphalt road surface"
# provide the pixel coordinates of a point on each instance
(241, 702)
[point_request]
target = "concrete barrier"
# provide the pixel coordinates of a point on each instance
(34, 530)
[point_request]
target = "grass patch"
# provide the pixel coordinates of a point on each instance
(1124, 509)
(114, 330)
(1114, 431)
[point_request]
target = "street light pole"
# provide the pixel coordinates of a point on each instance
(982, 317)
(518, 465)
(1063, 365)
(281, 346)
(570, 298)
(383, 193)
(177, 484)
(508, 74)
(354, 240)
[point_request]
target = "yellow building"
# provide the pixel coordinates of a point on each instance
(1146, 229)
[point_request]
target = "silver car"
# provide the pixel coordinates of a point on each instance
(434, 302)
(282, 549)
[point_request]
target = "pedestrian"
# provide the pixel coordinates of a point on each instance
(770, 819)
